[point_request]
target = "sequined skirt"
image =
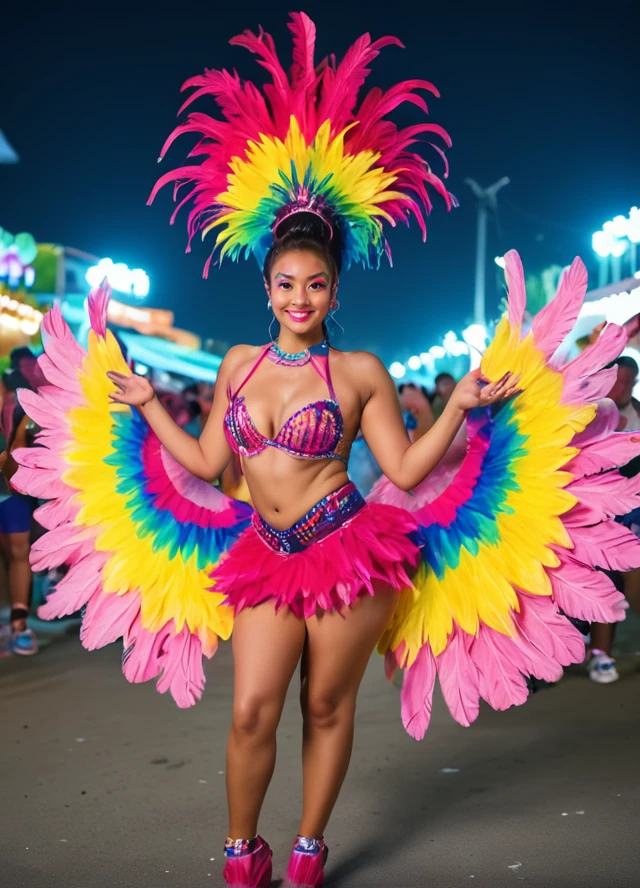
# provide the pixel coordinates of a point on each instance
(341, 549)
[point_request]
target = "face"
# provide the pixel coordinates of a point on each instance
(445, 387)
(301, 290)
(623, 387)
(412, 399)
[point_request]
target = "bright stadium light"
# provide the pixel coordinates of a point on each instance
(619, 248)
(133, 281)
(602, 243)
(397, 370)
(475, 335)
(414, 362)
(619, 226)
(437, 351)
(633, 227)
(499, 260)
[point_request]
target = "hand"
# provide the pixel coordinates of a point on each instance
(469, 394)
(136, 391)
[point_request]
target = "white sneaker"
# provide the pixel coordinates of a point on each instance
(602, 669)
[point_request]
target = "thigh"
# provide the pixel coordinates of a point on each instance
(339, 646)
(266, 650)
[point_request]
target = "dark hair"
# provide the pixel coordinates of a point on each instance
(412, 385)
(22, 353)
(306, 231)
(626, 361)
(442, 376)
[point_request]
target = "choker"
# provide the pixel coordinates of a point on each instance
(296, 359)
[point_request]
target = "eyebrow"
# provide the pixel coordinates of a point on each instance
(290, 277)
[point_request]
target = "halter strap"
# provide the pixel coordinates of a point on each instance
(319, 361)
(265, 349)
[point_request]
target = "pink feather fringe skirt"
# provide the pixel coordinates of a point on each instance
(342, 549)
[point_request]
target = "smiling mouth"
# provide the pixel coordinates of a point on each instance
(299, 315)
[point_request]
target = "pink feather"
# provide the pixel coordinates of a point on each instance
(76, 588)
(177, 656)
(556, 320)
(601, 426)
(552, 633)
(97, 304)
(585, 593)
(517, 293)
(417, 693)
(500, 679)
(607, 348)
(458, 676)
(607, 545)
(108, 617)
(602, 497)
(586, 389)
(609, 452)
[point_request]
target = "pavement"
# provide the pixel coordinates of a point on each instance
(109, 785)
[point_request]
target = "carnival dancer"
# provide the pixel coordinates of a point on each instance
(471, 587)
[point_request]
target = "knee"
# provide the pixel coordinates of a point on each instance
(325, 710)
(18, 549)
(254, 717)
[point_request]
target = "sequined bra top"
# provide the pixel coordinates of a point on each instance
(314, 432)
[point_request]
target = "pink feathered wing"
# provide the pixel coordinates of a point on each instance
(492, 665)
(174, 655)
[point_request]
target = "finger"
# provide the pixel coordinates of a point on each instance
(114, 376)
(491, 390)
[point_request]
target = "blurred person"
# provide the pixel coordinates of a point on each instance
(601, 665)
(445, 384)
(417, 409)
(16, 514)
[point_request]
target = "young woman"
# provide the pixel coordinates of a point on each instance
(470, 588)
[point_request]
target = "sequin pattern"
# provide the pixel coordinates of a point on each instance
(313, 432)
(328, 515)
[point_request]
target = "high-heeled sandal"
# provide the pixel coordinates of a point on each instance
(307, 862)
(249, 869)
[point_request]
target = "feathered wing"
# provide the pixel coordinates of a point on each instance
(304, 142)
(516, 540)
(139, 533)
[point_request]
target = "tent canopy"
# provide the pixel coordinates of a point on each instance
(161, 354)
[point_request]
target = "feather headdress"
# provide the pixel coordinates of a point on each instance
(304, 144)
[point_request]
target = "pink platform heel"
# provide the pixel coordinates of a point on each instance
(306, 866)
(248, 869)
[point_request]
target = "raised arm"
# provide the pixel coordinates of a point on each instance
(404, 463)
(206, 456)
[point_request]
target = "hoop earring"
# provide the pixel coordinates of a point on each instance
(332, 316)
(269, 305)
(270, 326)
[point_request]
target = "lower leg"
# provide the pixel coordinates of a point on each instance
(632, 588)
(19, 576)
(326, 752)
(602, 637)
(251, 758)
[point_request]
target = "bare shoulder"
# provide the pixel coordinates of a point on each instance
(238, 356)
(359, 362)
(364, 369)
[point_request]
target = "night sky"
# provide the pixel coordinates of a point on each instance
(539, 92)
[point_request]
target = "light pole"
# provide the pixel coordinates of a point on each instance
(487, 202)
